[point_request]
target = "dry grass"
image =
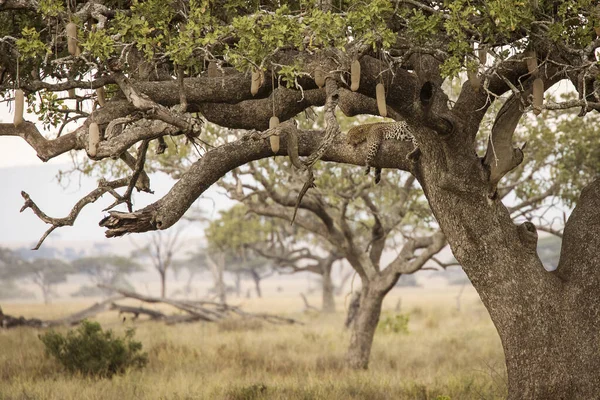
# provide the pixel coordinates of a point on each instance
(446, 353)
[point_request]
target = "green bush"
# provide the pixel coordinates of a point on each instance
(93, 352)
(394, 324)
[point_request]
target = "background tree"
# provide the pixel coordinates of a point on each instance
(11, 269)
(161, 249)
(136, 50)
(108, 270)
(292, 249)
(356, 220)
(46, 273)
(295, 256)
(228, 238)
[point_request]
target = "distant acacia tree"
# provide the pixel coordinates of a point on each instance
(229, 238)
(46, 273)
(161, 249)
(12, 268)
(107, 270)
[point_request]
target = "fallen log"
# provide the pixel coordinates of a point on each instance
(79, 316)
(8, 321)
(136, 311)
(201, 310)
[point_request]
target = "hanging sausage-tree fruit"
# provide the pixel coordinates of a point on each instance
(93, 139)
(274, 139)
(19, 107)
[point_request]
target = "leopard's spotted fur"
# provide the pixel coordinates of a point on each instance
(374, 134)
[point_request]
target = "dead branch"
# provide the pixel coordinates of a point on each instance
(7, 321)
(69, 220)
(136, 311)
(205, 311)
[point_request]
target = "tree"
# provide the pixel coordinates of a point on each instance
(289, 249)
(228, 239)
(356, 221)
(43, 272)
(107, 270)
(548, 321)
(161, 249)
(296, 258)
(11, 269)
(46, 273)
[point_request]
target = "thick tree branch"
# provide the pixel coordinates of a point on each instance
(408, 262)
(217, 162)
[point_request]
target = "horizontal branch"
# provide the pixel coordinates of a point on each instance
(217, 162)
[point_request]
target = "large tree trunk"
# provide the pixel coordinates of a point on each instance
(328, 303)
(549, 322)
(364, 325)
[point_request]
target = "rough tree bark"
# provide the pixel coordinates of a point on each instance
(549, 322)
(365, 323)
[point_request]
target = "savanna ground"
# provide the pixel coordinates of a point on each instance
(447, 354)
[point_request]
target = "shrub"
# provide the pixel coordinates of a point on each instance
(394, 324)
(93, 352)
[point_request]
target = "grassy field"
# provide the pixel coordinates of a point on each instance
(446, 353)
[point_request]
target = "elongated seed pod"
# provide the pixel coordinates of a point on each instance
(355, 75)
(93, 139)
(101, 96)
(474, 79)
(19, 107)
(320, 77)
(274, 139)
(71, 29)
(538, 96)
(256, 82)
(532, 64)
(213, 71)
(482, 53)
(380, 95)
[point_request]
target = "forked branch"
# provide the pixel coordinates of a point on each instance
(69, 220)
